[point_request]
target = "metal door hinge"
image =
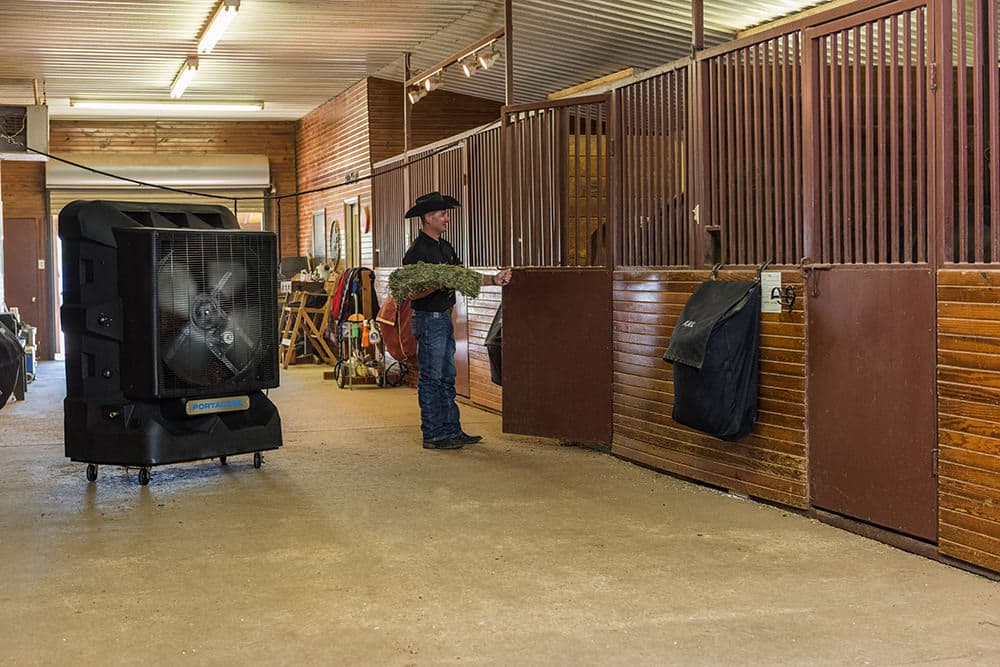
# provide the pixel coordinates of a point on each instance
(934, 77)
(934, 461)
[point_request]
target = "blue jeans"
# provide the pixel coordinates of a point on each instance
(435, 336)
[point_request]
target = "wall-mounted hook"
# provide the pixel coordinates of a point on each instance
(786, 297)
(715, 271)
(760, 269)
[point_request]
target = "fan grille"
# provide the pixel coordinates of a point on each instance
(216, 311)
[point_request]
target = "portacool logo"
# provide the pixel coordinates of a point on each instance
(689, 324)
(210, 405)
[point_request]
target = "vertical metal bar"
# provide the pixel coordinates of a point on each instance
(993, 106)
(858, 254)
(731, 232)
(978, 123)
(870, 167)
(807, 84)
(589, 193)
(603, 197)
(787, 140)
(658, 145)
(894, 183)
(676, 213)
(767, 120)
(745, 227)
(920, 92)
(836, 128)
(822, 94)
(643, 105)
(758, 141)
(883, 121)
(962, 128)
(846, 218)
(909, 108)
(777, 167)
(546, 182)
(801, 225)
(681, 104)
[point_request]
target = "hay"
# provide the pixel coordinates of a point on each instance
(412, 279)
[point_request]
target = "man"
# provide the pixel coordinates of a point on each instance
(433, 329)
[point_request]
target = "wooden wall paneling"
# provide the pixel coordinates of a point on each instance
(770, 463)
(968, 416)
(275, 139)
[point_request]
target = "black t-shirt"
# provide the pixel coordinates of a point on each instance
(426, 249)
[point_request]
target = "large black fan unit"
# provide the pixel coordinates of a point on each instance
(170, 319)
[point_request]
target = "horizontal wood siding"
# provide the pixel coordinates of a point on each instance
(275, 139)
(439, 115)
(969, 416)
(332, 143)
(770, 463)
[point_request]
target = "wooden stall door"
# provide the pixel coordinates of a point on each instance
(871, 396)
(557, 354)
(24, 277)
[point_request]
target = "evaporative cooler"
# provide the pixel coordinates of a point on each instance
(170, 320)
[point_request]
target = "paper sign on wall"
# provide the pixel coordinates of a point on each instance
(768, 281)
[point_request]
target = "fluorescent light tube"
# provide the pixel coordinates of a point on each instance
(223, 16)
(184, 77)
(114, 105)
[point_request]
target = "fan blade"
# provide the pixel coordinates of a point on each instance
(188, 355)
(175, 289)
(226, 278)
(245, 327)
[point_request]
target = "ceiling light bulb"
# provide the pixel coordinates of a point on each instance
(416, 94)
(487, 58)
(470, 66)
(223, 16)
(432, 82)
(184, 77)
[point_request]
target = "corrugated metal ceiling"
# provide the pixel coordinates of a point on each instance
(295, 54)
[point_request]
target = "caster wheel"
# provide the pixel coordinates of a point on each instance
(222, 460)
(258, 460)
(143, 476)
(341, 376)
(91, 472)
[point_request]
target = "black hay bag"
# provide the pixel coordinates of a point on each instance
(715, 350)
(494, 347)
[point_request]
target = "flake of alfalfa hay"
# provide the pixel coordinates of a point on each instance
(412, 279)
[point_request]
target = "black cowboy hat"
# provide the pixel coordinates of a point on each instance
(432, 201)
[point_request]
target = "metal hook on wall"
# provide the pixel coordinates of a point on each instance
(715, 271)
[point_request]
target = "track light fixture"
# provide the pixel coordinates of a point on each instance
(487, 58)
(416, 94)
(470, 66)
(184, 77)
(478, 55)
(433, 82)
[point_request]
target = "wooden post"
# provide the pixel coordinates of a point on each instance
(697, 25)
(407, 128)
(508, 38)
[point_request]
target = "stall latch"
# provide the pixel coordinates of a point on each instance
(809, 270)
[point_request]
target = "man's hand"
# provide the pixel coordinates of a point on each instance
(503, 277)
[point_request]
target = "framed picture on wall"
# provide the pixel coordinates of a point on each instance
(319, 235)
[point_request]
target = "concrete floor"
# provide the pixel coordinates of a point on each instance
(355, 546)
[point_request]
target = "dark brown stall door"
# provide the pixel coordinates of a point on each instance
(871, 396)
(23, 278)
(557, 354)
